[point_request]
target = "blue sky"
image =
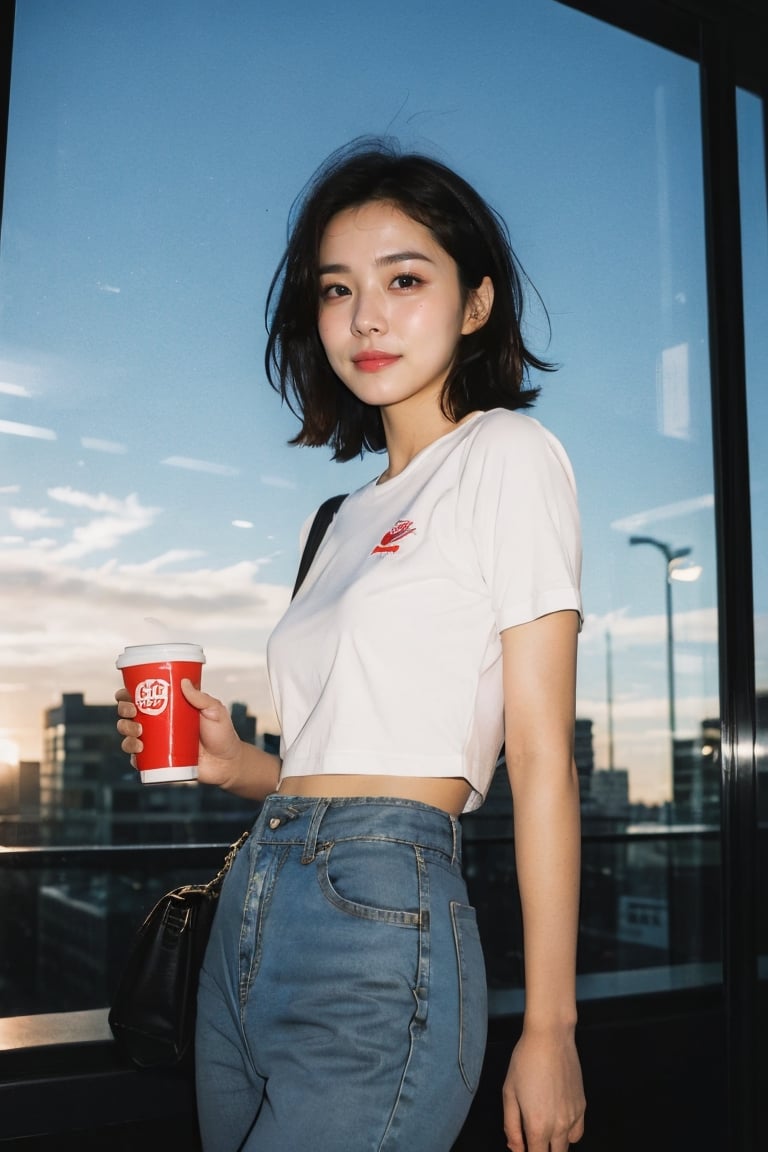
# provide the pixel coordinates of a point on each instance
(146, 484)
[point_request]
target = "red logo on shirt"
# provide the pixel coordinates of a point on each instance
(396, 532)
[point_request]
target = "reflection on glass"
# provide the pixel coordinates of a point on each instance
(149, 490)
(754, 222)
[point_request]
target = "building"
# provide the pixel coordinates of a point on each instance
(610, 792)
(584, 755)
(90, 793)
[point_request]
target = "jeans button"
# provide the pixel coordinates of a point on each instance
(275, 822)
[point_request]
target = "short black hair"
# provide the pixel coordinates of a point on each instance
(492, 364)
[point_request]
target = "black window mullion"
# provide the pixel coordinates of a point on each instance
(8, 10)
(735, 599)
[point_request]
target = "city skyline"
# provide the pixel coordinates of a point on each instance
(147, 488)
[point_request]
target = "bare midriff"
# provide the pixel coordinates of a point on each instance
(448, 793)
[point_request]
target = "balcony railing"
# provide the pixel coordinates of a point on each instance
(650, 913)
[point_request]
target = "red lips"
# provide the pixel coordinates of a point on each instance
(373, 360)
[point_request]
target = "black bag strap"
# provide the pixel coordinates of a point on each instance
(322, 520)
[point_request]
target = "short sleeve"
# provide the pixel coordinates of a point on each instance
(519, 494)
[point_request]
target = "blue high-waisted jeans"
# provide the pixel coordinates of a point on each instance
(342, 1002)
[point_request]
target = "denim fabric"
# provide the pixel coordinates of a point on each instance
(342, 1002)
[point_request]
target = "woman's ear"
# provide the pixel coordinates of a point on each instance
(478, 306)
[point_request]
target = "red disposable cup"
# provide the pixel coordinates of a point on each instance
(170, 726)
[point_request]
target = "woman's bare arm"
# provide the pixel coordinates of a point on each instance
(543, 1091)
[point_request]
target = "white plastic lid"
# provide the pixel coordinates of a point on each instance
(160, 654)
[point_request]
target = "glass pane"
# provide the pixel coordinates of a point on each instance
(754, 210)
(148, 489)
(67, 923)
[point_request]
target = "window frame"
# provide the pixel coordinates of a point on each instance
(726, 38)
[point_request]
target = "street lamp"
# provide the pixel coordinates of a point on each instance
(671, 572)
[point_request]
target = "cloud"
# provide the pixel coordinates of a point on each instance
(100, 502)
(646, 717)
(122, 517)
(278, 482)
(664, 512)
(11, 428)
(30, 519)
(14, 389)
(174, 556)
(114, 519)
(193, 465)
(70, 622)
(49, 590)
(98, 536)
(698, 626)
(110, 446)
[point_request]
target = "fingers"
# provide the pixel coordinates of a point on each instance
(124, 698)
(576, 1132)
(131, 732)
(201, 700)
(127, 726)
(517, 1142)
(130, 728)
(513, 1128)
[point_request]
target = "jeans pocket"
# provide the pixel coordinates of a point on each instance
(473, 995)
(372, 880)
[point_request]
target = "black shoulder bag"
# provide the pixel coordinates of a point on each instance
(153, 1011)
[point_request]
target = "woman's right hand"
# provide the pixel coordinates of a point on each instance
(220, 746)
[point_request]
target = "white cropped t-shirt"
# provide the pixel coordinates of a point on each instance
(388, 660)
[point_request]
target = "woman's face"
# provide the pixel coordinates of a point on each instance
(391, 310)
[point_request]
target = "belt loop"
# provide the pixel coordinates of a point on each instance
(455, 831)
(310, 844)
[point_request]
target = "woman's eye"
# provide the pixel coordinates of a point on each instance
(333, 291)
(407, 280)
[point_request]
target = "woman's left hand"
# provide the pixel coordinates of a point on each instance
(543, 1094)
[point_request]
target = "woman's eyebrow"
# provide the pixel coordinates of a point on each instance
(396, 257)
(381, 261)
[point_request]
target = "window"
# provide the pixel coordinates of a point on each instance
(154, 150)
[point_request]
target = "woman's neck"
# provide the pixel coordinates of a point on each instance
(408, 433)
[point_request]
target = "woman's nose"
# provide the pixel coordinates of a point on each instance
(368, 316)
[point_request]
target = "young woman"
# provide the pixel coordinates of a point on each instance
(342, 1004)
